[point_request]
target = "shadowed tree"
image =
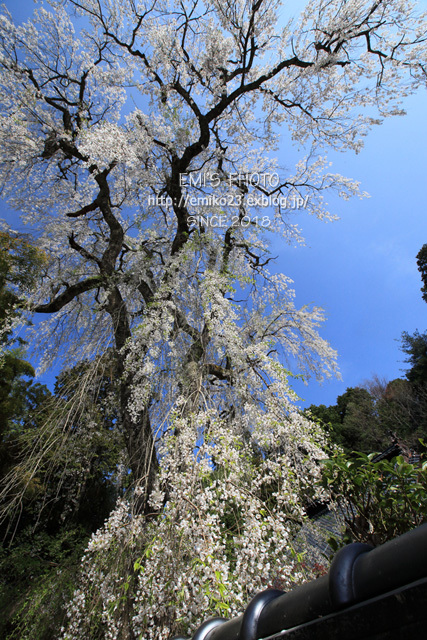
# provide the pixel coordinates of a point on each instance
(415, 347)
(422, 268)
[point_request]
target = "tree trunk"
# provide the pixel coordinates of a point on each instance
(137, 433)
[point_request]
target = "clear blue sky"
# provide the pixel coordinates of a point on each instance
(362, 269)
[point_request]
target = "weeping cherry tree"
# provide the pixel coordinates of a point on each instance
(138, 142)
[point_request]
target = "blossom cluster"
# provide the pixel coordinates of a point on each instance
(222, 527)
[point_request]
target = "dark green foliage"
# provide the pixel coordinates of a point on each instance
(20, 264)
(353, 422)
(66, 453)
(70, 450)
(20, 399)
(415, 347)
(37, 577)
(58, 460)
(422, 268)
(378, 500)
(359, 419)
(365, 419)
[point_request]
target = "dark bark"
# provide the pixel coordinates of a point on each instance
(69, 294)
(137, 432)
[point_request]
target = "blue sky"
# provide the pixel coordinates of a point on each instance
(362, 269)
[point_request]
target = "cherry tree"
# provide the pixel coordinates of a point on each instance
(138, 141)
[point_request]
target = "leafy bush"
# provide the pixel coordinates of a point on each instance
(378, 500)
(37, 577)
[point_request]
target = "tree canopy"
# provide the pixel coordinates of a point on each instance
(366, 419)
(422, 268)
(415, 347)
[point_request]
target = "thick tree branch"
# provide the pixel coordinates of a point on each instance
(81, 212)
(69, 294)
(83, 252)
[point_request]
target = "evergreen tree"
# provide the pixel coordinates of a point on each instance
(422, 268)
(415, 347)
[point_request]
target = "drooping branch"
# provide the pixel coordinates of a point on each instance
(69, 294)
